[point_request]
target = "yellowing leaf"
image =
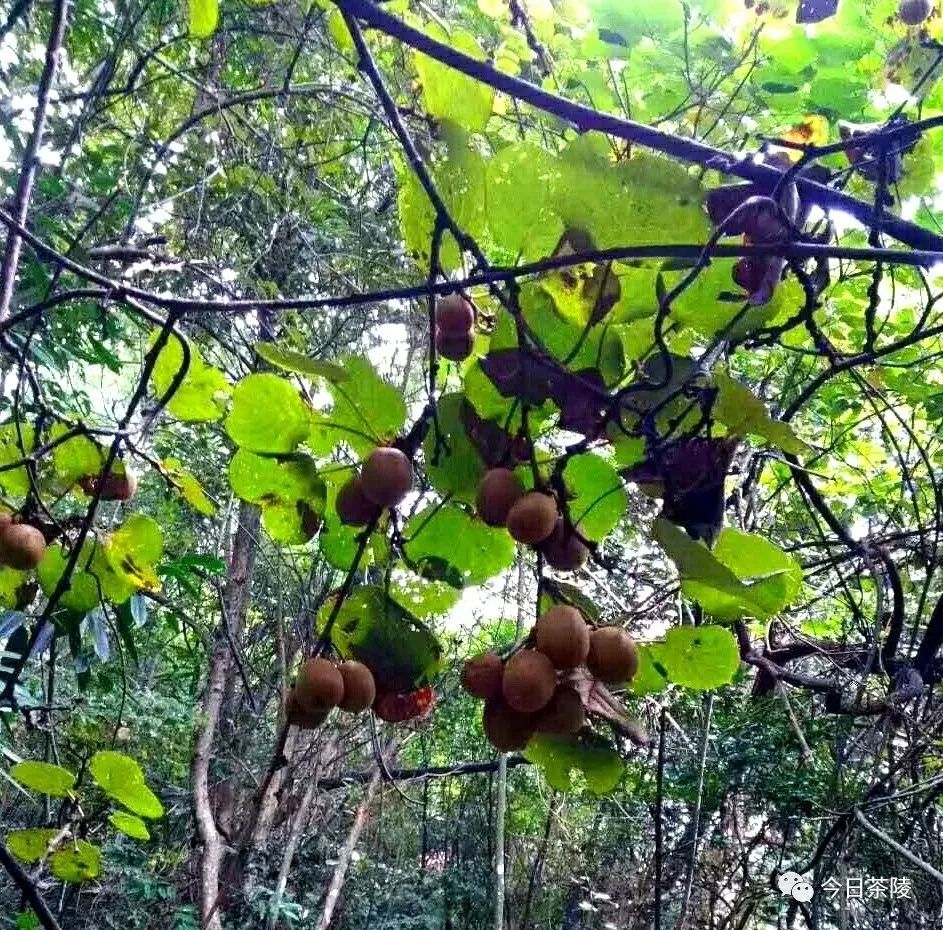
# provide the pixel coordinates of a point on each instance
(745, 414)
(204, 18)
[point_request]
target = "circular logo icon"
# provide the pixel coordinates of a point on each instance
(802, 891)
(787, 881)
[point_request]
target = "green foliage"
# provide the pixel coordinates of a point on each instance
(268, 415)
(204, 17)
(600, 765)
(701, 658)
(121, 778)
(76, 862)
(203, 391)
(44, 777)
(431, 548)
(373, 628)
(30, 845)
(129, 825)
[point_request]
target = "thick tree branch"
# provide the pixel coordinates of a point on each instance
(29, 890)
(586, 119)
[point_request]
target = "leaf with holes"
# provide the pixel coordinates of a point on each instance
(288, 489)
(699, 657)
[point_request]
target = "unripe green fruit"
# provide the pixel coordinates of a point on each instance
(387, 476)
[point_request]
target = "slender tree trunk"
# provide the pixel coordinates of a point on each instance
(298, 825)
(336, 886)
(235, 605)
(500, 810)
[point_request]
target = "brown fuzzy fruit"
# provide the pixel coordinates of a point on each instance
(532, 518)
(360, 689)
(482, 676)
(497, 493)
(387, 476)
(319, 685)
(353, 506)
(110, 487)
(564, 550)
(454, 346)
(612, 654)
(297, 716)
(454, 314)
(563, 636)
(507, 729)
(914, 12)
(21, 546)
(529, 681)
(564, 715)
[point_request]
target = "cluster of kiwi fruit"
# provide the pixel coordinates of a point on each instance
(531, 517)
(454, 327)
(322, 685)
(532, 692)
(384, 480)
(22, 546)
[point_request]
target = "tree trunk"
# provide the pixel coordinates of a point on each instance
(298, 825)
(346, 852)
(235, 605)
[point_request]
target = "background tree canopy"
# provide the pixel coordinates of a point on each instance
(668, 273)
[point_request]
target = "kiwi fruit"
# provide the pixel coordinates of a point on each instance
(353, 506)
(612, 654)
(507, 729)
(454, 314)
(298, 716)
(564, 715)
(562, 635)
(498, 491)
(110, 487)
(21, 546)
(386, 476)
(456, 347)
(529, 681)
(360, 689)
(914, 12)
(319, 685)
(564, 550)
(532, 518)
(482, 676)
